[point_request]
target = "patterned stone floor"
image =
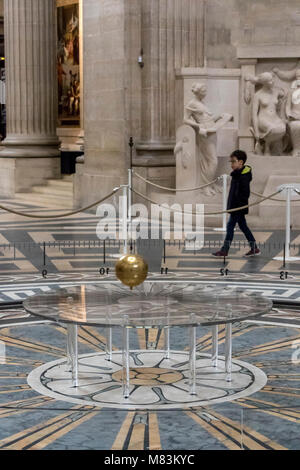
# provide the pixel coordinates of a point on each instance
(267, 419)
(72, 246)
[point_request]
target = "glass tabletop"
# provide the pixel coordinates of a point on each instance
(153, 304)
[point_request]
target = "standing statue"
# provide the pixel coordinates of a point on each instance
(195, 151)
(269, 127)
(293, 105)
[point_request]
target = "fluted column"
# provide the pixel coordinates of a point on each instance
(30, 49)
(172, 38)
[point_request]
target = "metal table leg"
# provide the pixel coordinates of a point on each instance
(108, 346)
(215, 346)
(192, 357)
(72, 352)
(126, 358)
(167, 342)
(228, 346)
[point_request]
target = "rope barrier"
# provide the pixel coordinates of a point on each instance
(261, 195)
(173, 189)
(115, 190)
(203, 186)
(275, 199)
(228, 211)
(59, 216)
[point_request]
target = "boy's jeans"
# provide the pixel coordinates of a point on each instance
(236, 218)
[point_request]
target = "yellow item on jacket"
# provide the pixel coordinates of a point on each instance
(246, 170)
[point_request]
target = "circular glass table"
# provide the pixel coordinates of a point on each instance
(154, 304)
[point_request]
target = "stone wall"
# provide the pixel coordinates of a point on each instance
(1, 16)
(234, 23)
(121, 99)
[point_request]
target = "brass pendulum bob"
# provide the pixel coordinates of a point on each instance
(131, 270)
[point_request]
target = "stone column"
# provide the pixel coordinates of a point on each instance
(111, 40)
(30, 153)
(172, 38)
(80, 141)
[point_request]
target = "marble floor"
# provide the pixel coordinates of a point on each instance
(267, 418)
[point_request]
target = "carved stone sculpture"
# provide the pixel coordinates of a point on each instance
(292, 105)
(195, 151)
(268, 122)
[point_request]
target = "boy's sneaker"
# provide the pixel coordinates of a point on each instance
(253, 252)
(220, 254)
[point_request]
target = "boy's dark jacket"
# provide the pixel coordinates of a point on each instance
(239, 189)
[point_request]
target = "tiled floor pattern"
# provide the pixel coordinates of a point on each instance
(78, 249)
(269, 419)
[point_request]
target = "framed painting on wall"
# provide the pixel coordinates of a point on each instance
(68, 62)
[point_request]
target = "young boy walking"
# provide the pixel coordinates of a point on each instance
(238, 196)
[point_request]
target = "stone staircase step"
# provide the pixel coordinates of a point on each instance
(54, 194)
(60, 184)
(67, 178)
(44, 200)
(53, 191)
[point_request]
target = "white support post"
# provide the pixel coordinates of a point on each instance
(223, 228)
(288, 224)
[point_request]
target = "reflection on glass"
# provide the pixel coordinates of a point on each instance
(2, 353)
(153, 304)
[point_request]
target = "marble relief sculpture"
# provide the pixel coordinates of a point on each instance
(269, 126)
(195, 151)
(292, 105)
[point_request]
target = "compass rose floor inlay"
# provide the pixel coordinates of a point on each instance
(156, 383)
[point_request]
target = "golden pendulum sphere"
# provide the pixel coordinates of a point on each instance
(132, 270)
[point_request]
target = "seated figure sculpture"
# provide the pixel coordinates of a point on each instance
(292, 105)
(195, 151)
(269, 127)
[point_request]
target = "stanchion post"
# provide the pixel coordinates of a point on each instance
(224, 201)
(289, 189)
(223, 229)
(288, 223)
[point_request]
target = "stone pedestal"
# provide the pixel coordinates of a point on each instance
(31, 143)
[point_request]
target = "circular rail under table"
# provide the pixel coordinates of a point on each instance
(154, 304)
